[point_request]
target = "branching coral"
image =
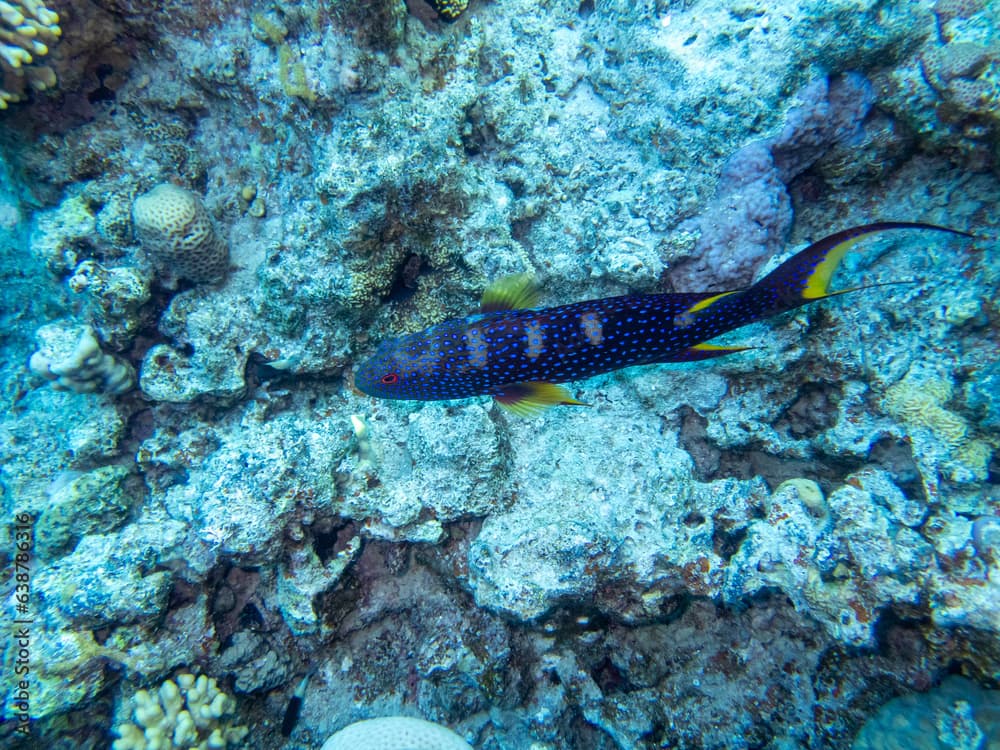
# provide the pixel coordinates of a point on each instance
(26, 29)
(72, 358)
(189, 713)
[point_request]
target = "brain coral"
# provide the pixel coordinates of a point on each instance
(395, 733)
(178, 235)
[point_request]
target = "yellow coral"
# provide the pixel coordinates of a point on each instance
(269, 28)
(27, 27)
(947, 444)
(920, 405)
(292, 74)
(189, 713)
(973, 462)
(449, 10)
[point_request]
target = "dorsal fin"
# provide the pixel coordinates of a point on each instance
(511, 293)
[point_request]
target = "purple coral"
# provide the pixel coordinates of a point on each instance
(751, 214)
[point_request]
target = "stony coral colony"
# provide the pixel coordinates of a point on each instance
(27, 28)
(449, 10)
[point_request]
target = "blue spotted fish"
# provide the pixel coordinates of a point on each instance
(517, 352)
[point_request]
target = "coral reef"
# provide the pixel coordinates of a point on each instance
(112, 300)
(62, 234)
(96, 502)
(759, 551)
(947, 92)
(71, 357)
(838, 558)
(751, 216)
(956, 715)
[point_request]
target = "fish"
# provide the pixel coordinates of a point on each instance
(294, 708)
(517, 352)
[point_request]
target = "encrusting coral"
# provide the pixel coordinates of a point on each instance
(25, 27)
(943, 437)
(957, 715)
(189, 713)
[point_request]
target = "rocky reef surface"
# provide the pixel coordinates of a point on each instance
(210, 212)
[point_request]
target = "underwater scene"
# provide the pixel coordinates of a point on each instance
(500, 374)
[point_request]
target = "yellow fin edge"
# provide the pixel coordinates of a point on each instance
(708, 301)
(717, 348)
(818, 283)
(531, 399)
(516, 292)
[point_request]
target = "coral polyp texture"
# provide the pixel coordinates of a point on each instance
(191, 713)
(178, 235)
(396, 733)
(27, 28)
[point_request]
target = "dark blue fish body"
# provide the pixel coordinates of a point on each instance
(515, 355)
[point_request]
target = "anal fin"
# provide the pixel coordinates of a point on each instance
(530, 399)
(699, 352)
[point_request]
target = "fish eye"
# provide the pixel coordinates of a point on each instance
(390, 379)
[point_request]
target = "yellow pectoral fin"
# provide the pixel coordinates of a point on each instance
(531, 399)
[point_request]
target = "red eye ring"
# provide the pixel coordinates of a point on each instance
(389, 379)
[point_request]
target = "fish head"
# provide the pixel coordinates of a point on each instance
(399, 369)
(382, 375)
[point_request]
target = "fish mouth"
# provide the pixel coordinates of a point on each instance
(362, 379)
(352, 378)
